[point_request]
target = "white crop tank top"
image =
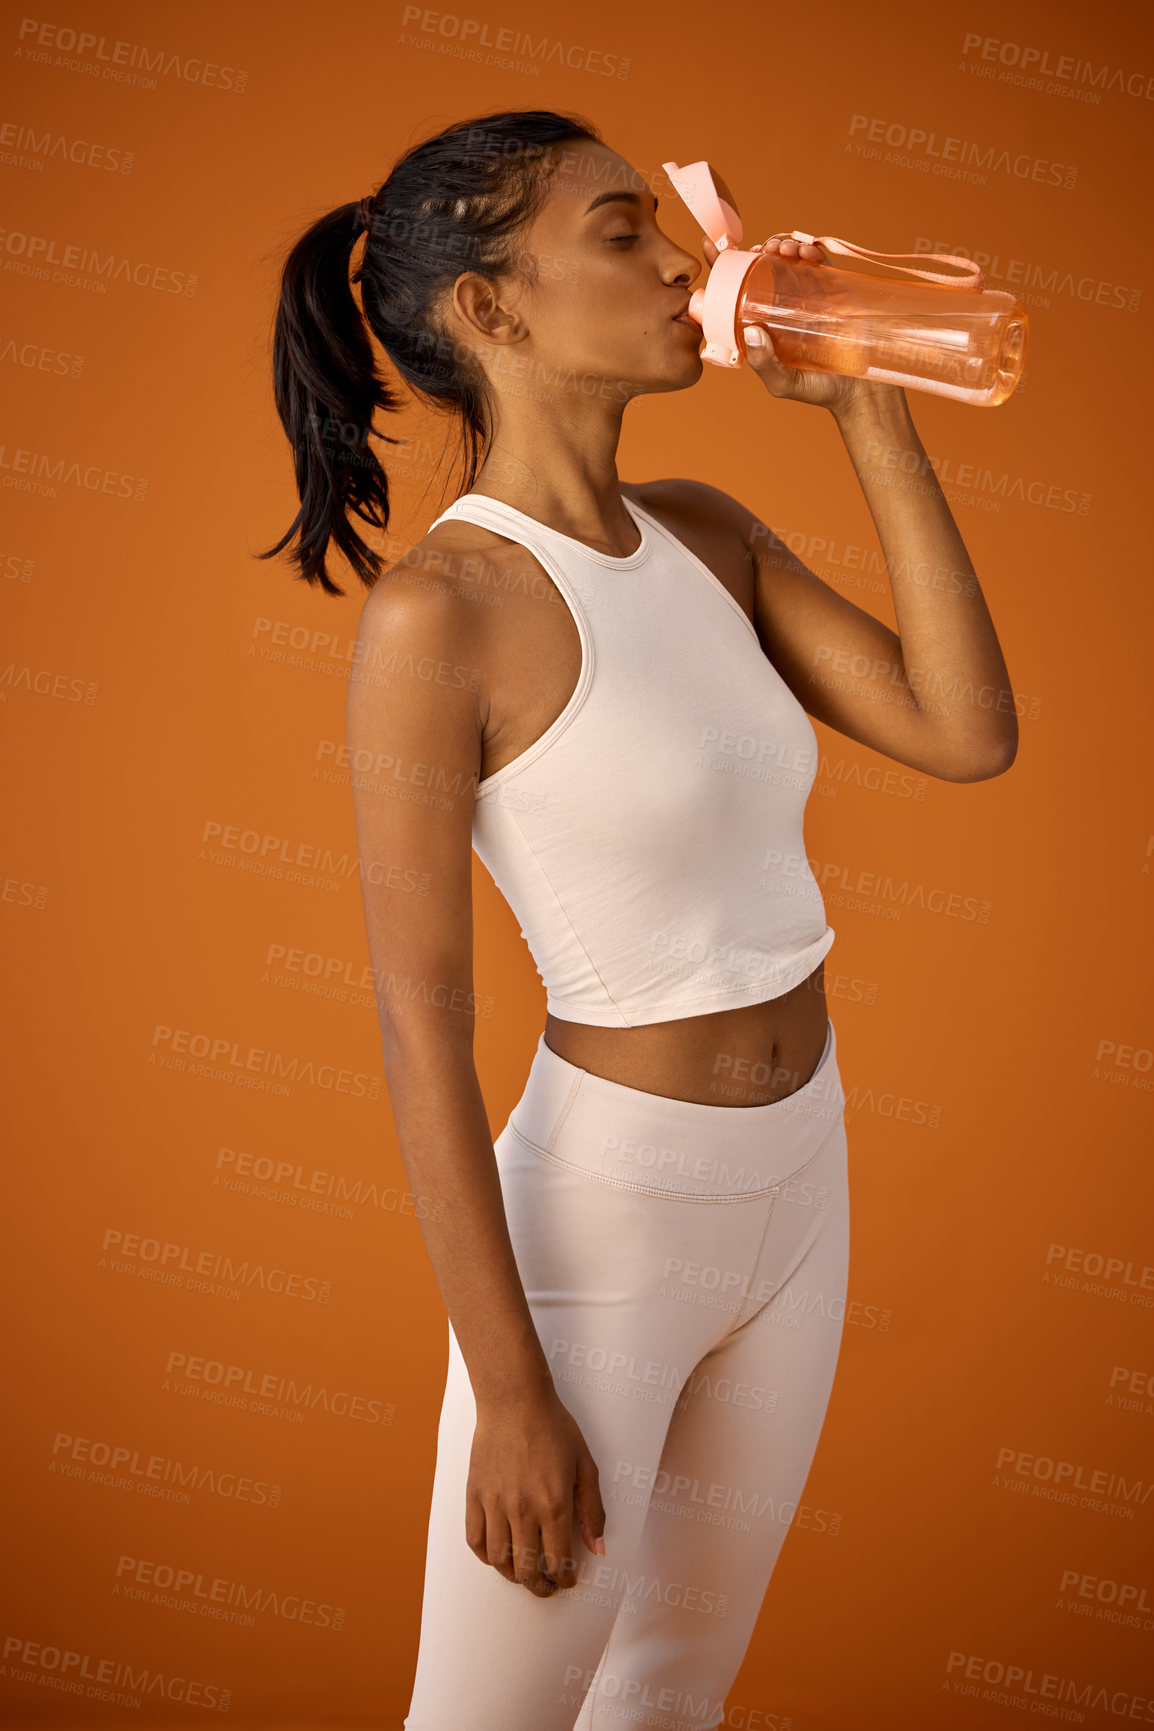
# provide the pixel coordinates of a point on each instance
(650, 841)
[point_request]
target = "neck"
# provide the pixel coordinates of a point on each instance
(556, 460)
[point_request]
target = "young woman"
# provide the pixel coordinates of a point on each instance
(603, 688)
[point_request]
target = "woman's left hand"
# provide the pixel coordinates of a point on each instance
(834, 391)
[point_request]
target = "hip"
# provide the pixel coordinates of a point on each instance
(645, 1212)
(672, 1147)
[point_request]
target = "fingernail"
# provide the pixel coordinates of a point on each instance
(754, 336)
(599, 1547)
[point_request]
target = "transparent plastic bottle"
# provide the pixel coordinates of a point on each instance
(942, 333)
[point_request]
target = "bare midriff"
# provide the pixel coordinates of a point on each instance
(744, 1057)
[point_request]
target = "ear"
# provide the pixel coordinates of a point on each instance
(478, 304)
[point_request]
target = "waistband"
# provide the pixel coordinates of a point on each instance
(676, 1148)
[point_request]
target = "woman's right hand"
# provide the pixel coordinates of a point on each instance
(530, 1475)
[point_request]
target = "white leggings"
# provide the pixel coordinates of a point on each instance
(685, 1266)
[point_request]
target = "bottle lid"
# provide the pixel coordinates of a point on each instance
(710, 201)
(714, 308)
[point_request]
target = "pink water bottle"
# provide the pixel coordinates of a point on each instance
(944, 333)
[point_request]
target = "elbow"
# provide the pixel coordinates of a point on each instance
(992, 763)
(1003, 754)
(423, 1037)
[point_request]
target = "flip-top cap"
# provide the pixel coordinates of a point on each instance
(711, 204)
(706, 195)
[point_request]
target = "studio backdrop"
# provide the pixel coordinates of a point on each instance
(225, 1346)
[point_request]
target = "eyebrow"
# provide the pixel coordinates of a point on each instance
(626, 197)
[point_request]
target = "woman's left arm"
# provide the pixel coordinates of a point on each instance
(942, 677)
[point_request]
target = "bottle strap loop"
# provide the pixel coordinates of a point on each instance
(971, 279)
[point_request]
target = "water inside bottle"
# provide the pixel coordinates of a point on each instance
(909, 333)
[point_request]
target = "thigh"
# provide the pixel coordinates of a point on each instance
(491, 1654)
(733, 1469)
(590, 1255)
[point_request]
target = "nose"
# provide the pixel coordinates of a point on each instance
(682, 269)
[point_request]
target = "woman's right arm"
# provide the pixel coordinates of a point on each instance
(415, 716)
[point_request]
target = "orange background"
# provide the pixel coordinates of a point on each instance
(998, 1073)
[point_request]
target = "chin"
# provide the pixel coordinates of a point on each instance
(679, 378)
(672, 368)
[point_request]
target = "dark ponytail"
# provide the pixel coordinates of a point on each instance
(452, 204)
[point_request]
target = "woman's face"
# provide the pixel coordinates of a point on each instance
(605, 316)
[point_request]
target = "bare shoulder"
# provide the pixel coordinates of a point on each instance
(446, 585)
(692, 502)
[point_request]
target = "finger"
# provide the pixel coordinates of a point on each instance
(789, 247)
(526, 1536)
(759, 348)
(557, 1549)
(499, 1544)
(523, 1539)
(778, 379)
(590, 1508)
(550, 1566)
(475, 1527)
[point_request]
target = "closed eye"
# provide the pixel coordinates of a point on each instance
(624, 237)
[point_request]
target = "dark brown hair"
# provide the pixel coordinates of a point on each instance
(454, 203)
